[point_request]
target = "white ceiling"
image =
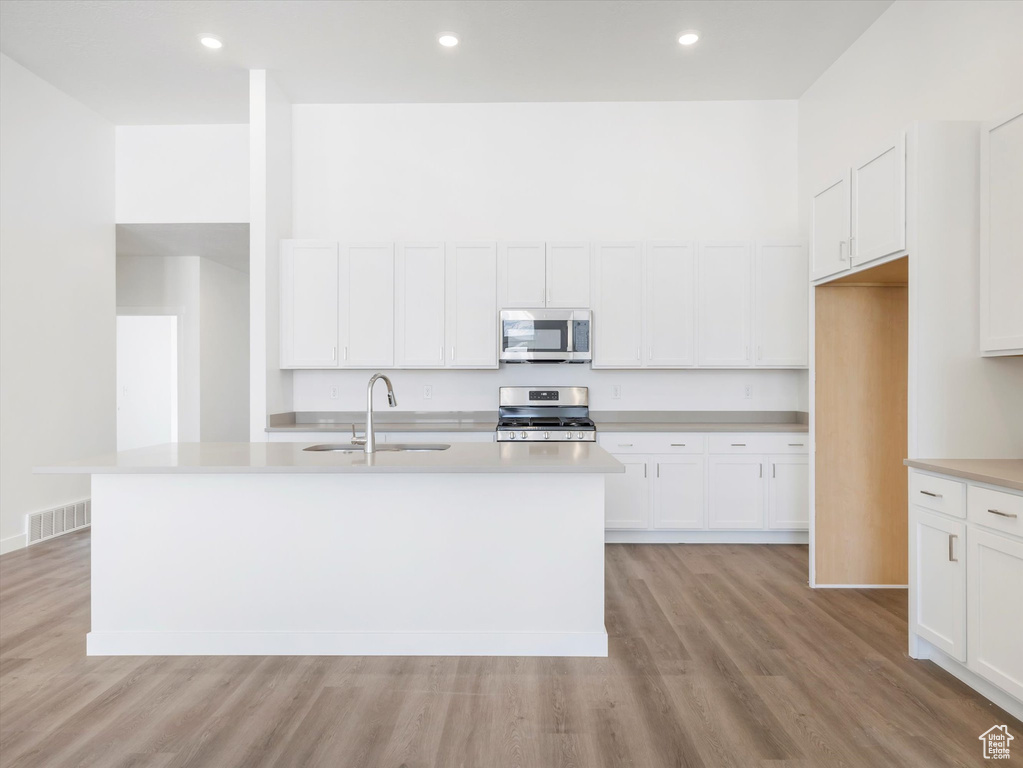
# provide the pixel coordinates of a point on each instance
(139, 61)
(227, 244)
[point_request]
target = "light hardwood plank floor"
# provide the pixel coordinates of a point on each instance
(720, 655)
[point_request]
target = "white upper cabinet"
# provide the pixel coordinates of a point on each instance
(725, 306)
(879, 204)
(309, 304)
(420, 307)
(472, 305)
(568, 275)
(523, 275)
(366, 296)
(829, 228)
(617, 305)
(782, 305)
(670, 305)
(1001, 237)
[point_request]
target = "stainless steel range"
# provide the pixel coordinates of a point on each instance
(554, 414)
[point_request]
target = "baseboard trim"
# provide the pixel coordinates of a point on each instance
(990, 691)
(706, 537)
(861, 586)
(12, 543)
(346, 644)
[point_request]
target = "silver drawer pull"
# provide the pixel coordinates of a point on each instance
(624, 445)
(934, 495)
(738, 445)
(951, 548)
(678, 445)
(998, 512)
(795, 445)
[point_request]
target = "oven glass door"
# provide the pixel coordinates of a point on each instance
(532, 335)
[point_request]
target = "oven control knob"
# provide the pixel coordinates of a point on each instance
(522, 435)
(568, 435)
(546, 435)
(511, 435)
(579, 435)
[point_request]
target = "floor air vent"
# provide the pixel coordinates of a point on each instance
(54, 522)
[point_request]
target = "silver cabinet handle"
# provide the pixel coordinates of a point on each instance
(452, 353)
(934, 495)
(761, 470)
(852, 245)
(951, 548)
(658, 469)
(678, 445)
(333, 354)
(738, 445)
(624, 445)
(644, 470)
(774, 470)
(346, 352)
(841, 250)
(795, 445)
(999, 512)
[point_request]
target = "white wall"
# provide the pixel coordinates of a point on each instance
(641, 390)
(224, 353)
(57, 328)
(545, 171)
(182, 173)
(270, 152)
(170, 285)
(931, 61)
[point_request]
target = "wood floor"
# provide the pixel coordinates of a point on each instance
(719, 656)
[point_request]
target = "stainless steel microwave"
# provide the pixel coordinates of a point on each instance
(546, 336)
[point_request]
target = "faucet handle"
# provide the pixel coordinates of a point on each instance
(357, 440)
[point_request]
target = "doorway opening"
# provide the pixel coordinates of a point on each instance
(147, 380)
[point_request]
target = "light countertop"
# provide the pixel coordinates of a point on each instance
(289, 458)
(486, 421)
(1007, 473)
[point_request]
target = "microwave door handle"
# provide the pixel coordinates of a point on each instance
(570, 345)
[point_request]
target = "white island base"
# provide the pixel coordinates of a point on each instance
(348, 563)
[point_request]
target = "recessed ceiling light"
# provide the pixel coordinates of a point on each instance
(211, 41)
(688, 37)
(448, 40)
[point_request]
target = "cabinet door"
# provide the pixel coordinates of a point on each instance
(523, 275)
(678, 492)
(309, 304)
(782, 296)
(788, 492)
(1001, 237)
(725, 278)
(736, 492)
(472, 305)
(939, 581)
(618, 305)
(829, 229)
(420, 312)
(994, 625)
(879, 204)
(367, 306)
(568, 275)
(670, 305)
(627, 495)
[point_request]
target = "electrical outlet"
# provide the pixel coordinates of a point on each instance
(335, 393)
(616, 391)
(428, 391)
(747, 392)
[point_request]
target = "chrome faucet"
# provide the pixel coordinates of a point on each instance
(370, 441)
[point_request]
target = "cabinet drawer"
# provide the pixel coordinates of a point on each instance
(651, 442)
(743, 443)
(995, 509)
(938, 493)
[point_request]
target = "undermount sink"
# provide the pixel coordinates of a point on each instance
(349, 448)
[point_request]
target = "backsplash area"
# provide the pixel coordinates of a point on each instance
(475, 390)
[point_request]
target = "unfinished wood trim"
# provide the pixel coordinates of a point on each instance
(861, 496)
(890, 273)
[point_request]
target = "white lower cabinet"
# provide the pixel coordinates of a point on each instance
(627, 495)
(678, 492)
(736, 492)
(965, 580)
(788, 492)
(994, 620)
(708, 483)
(939, 609)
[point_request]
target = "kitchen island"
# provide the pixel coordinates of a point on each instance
(267, 548)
